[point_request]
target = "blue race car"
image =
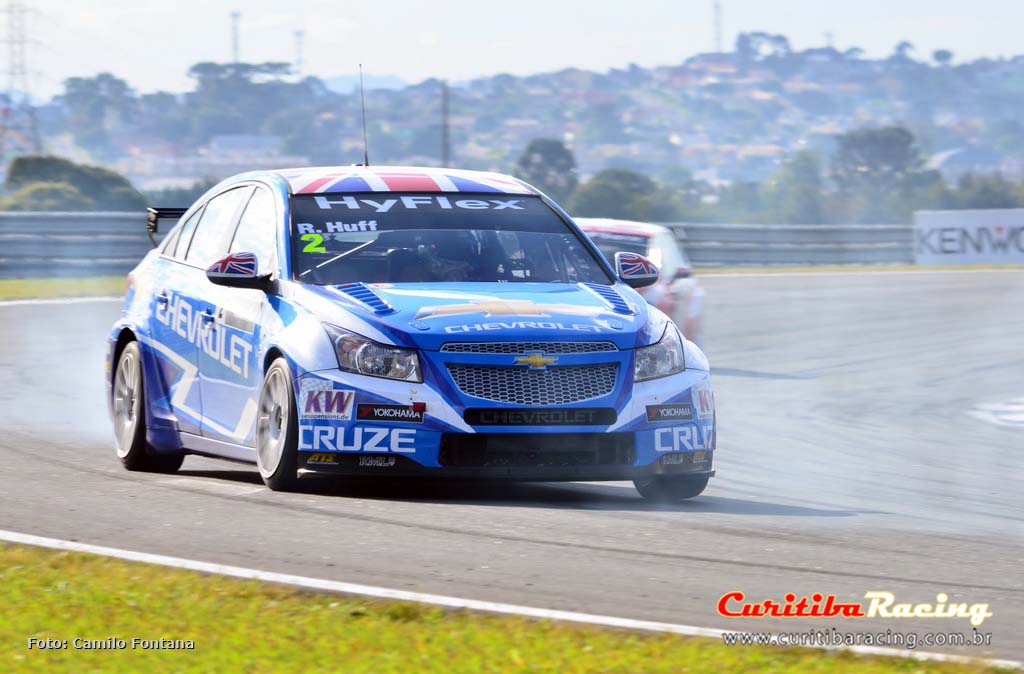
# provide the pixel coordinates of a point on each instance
(403, 321)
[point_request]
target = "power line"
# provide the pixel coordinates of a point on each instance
(446, 141)
(19, 132)
(299, 37)
(718, 26)
(236, 16)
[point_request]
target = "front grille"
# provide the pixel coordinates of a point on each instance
(523, 386)
(519, 450)
(555, 348)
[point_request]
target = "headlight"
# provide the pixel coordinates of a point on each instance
(364, 356)
(661, 359)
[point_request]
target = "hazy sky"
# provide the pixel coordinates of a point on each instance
(152, 43)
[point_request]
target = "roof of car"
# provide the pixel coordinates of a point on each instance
(613, 226)
(325, 179)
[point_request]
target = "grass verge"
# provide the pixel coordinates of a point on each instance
(249, 626)
(33, 288)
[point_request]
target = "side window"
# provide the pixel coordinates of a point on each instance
(257, 230)
(169, 243)
(210, 241)
(184, 237)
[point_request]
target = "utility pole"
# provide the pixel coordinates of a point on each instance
(19, 132)
(299, 36)
(235, 17)
(446, 140)
(718, 26)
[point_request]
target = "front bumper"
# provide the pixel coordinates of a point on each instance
(696, 464)
(352, 425)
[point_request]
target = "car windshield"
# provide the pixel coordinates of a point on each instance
(429, 238)
(609, 243)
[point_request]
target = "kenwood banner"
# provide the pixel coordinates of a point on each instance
(993, 236)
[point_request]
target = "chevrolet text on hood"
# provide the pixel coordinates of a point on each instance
(403, 321)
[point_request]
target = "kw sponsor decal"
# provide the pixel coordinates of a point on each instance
(224, 346)
(320, 400)
(414, 202)
(358, 439)
(536, 360)
(321, 458)
(677, 412)
(372, 412)
(499, 307)
(879, 604)
(683, 438)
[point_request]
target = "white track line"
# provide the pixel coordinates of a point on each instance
(61, 300)
(443, 600)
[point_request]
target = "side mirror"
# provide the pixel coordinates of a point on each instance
(636, 271)
(237, 270)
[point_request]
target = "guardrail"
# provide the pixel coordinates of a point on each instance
(718, 245)
(102, 244)
(60, 244)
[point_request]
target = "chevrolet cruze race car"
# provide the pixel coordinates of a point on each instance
(405, 322)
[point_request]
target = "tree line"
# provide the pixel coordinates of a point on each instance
(874, 175)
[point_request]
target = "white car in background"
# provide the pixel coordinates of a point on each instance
(677, 292)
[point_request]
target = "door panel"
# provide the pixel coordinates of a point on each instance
(230, 375)
(230, 372)
(177, 330)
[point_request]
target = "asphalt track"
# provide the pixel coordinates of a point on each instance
(858, 451)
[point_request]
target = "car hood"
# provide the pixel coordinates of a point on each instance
(429, 315)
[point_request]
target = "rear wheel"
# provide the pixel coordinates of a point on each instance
(671, 488)
(277, 430)
(129, 405)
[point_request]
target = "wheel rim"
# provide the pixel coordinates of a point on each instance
(272, 425)
(127, 400)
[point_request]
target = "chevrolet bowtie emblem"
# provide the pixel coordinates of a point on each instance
(536, 360)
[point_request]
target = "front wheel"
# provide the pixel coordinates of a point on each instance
(277, 430)
(671, 488)
(129, 405)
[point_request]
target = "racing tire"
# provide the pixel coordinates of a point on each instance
(129, 413)
(277, 429)
(671, 488)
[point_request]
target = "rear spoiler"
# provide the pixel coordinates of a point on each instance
(154, 215)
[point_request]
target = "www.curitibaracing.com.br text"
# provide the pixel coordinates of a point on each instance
(838, 639)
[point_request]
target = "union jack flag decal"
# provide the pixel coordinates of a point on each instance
(235, 264)
(631, 264)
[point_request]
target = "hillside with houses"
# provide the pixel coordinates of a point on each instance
(722, 117)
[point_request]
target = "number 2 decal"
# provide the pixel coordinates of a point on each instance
(314, 245)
